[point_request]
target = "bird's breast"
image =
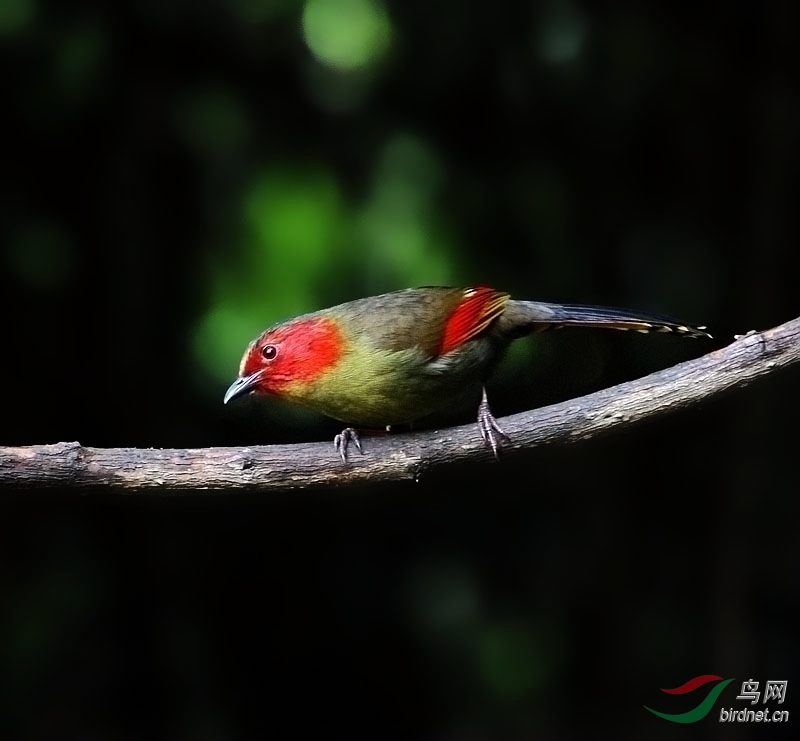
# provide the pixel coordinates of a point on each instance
(376, 387)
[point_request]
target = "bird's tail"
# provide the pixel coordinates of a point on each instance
(536, 316)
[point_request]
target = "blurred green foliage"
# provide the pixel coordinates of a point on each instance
(298, 232)
(346, 34)
(16, 16)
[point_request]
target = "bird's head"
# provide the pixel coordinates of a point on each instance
(286, 355)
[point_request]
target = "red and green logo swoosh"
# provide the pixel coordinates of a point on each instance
(702, 710)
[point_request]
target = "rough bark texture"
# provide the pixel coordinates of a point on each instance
(74, 468)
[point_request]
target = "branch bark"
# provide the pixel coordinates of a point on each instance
(73, 467)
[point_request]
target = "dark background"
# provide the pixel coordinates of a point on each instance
(176, 176)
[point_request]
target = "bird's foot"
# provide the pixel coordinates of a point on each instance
(493, 436)
(342, 442)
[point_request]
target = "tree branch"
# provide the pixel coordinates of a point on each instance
(398, 457)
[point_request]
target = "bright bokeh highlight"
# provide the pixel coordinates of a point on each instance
(346, 35)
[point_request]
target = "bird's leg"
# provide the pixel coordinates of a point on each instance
(342, 442)
(490, 431)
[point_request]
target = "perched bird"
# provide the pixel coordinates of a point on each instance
(393, 358)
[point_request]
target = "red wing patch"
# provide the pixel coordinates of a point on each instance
(479, 307)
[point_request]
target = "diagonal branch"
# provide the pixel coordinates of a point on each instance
(400, 457)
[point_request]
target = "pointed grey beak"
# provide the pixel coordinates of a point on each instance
(241, 386)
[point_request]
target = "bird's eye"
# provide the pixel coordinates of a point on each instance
(269, 352)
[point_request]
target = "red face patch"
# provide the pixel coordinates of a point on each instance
(299, 350)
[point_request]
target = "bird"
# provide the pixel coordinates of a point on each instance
(395, 358)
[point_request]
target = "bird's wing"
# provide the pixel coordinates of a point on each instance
(433, 320)
(478, 308)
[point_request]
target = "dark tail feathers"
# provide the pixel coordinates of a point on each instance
(551, 316)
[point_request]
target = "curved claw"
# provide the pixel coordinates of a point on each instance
(342, 442)
(491, 433)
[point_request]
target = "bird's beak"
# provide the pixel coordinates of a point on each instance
(241, 386)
